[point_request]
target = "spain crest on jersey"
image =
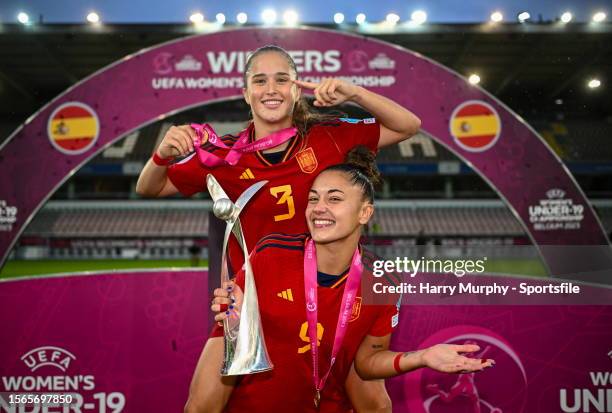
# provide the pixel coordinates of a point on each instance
(356, 310)
(307, 160)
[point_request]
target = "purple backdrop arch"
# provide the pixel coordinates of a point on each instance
(146, 86)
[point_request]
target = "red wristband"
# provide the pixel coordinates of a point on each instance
(159, 161)
(396, 362)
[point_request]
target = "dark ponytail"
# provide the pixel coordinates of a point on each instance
(360, 167)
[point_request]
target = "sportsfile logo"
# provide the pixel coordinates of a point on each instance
(48, 356)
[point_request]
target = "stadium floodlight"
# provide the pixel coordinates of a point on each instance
(220, 17)
(196, 18)
(599, 17)
(338, 18)
(93, 17)
(290, 17)
(361, 18)
(474, 79)
(418, 17)
(268, 16)
(523, 16)
(242, 18)
(23, 18)
(392, 18)
(566, 17)
(497, 16)
(594, 83)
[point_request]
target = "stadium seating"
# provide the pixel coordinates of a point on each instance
(166, 228)
(446, 221)
(117, 222)
(392, 219)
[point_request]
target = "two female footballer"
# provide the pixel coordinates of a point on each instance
(305, 143)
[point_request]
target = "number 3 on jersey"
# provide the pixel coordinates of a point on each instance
(285, 198)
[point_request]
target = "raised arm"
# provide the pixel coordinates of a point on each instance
(397, 122)
(375, 361)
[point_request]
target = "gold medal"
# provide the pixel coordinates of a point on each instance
(317, 398)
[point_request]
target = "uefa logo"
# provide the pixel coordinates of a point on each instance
(502, 389)
(48, 356)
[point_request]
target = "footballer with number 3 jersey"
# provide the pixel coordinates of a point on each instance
(314, 322)
(279, 205)
(310, 141)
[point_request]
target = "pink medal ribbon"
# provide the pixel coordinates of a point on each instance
(346, 307)
(241, 146)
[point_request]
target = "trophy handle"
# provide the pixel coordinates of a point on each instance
(214, 189)
(248, 194)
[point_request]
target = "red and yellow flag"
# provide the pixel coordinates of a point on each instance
(73, 128)
(475, 126)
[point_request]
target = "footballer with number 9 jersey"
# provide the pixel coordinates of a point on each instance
(315, 323)
(287, 144)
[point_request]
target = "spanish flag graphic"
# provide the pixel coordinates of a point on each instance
(475, 125)
(73, 128)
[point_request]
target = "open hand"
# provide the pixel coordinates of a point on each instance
(446, 358)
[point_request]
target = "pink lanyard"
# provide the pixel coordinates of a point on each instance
(241, 146)
(346, 307)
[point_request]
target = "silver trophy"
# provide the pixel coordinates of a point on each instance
(245, 348)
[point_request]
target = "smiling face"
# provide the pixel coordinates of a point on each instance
(269, 90)
(336, 209)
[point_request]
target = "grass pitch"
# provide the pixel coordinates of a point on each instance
(21, 268)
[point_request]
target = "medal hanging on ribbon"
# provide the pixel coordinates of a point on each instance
(346, 307)
(205, 133)
(317, 398)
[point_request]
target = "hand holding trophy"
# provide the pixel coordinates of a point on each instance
(245, 348)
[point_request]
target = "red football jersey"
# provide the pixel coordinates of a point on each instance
(278, 267)
(280, 205)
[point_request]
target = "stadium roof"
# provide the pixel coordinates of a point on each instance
(539, 70)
